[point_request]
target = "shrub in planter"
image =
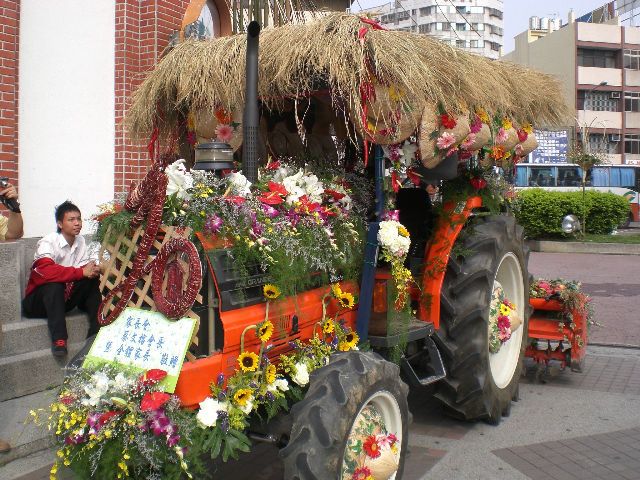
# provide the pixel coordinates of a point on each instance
(541, 211)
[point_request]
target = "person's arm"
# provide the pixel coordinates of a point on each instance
(14, 225)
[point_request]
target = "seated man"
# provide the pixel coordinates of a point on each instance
(63, 277)
(10, 229)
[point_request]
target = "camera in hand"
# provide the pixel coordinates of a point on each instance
(11, 203)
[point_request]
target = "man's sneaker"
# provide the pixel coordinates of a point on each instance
(59, 348)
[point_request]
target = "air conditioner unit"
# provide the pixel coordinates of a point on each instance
(614, 137)
(615, 94)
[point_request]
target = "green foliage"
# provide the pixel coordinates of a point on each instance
(116, 224)
(541, 211)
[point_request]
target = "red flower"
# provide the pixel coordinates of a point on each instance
(271, 198)
(361, 473)
(503, 322)
(236, 199)
(478, 183)
(278, 188)
(395, 182)
(153, 376)
(105, 417)
(522, 135)
(273, 165)
(447, 121)
(371, 447)
(153, 401)
(414, 177)
(67, 399)
(336, 195)
(306, 206)
(464, 155)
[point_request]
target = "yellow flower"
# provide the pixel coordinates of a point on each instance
(271, 374)
(108, 433)
(351, 339)
(371, 127)
(527, 127)
(504, 310)
(66, 462)
(336, 291)
(327, 326)
(395, 95)
(242, 396)
(346, 300)
(483, 115)
(344, 347)
(403, 232)
(271, 292)
(53, 471)
(248, 361)
(506, 123)
(265, 330)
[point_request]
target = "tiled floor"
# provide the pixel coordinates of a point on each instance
(609, 456)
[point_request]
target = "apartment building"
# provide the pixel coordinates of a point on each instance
(473, 25)
(597, 58)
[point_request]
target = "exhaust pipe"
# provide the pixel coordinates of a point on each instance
(250, 119)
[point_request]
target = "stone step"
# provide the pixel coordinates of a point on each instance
(24, 436)
(32, 334)
(33, 372)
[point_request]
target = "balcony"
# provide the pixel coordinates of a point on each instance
(632, 120)
(595, 76)
(632, 77)
(594, 119)
(599, 32)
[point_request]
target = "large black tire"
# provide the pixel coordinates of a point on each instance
(322, 421)
(469, 391)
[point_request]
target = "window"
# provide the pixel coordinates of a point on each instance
(462, 10)
(632, 144)
(479, 10)
(461, 43)
(632, 59)
(569, 176)
(589, 57)
(473, 44)
(597, 101)
(402, 16)
(600, 143)
(622, 177)
(632, 101)
(425, 11)
(494, 12)
(495, 46)
(521, 176)
(542, 176)
(446, 26)
(425, 27)
(496, 30)
(461, 27)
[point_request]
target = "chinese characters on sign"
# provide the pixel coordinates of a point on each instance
(144, 340)
(552, 147)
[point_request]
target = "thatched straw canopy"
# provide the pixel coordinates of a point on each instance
(327, 53)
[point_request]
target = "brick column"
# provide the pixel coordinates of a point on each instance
(143, 28)
(9, 28)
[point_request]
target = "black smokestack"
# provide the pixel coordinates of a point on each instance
(250, 120)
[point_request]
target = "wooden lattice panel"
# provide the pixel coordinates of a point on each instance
(120, 262)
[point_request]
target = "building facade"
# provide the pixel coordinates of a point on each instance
(597, 60)
(473, 25)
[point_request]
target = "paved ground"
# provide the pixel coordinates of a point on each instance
(570, 426)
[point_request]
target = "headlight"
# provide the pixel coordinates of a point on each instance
(570, 224)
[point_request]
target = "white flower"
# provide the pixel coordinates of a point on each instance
(345, 202)
(247, 407)
(302, 374)
(279, 384)
(281, 174)
(312, 187)
(208, 413)
(239, 184)
(390, 238)
(408, 150)
(96, 389)
(121, 382)
(179, 179)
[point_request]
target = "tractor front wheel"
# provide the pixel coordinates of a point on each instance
(480, 385)
(354, 416)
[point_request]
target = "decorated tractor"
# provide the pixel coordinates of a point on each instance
(362, 246)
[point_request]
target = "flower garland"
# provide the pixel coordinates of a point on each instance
(394, 241)
(500, 323)
(570, 294)
(401, 161)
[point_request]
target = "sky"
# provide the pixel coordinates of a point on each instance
(517, 13)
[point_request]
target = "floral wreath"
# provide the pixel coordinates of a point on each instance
(502, 321)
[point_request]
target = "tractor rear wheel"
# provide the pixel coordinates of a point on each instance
(356, 392)
(481, 385)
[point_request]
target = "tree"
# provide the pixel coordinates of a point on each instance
(585, 159)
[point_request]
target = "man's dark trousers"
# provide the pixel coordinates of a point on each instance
(48, 301)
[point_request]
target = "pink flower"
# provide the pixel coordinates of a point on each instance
(224, 132)
(394, 153)
(519, 150)
(392, 215)
(445, 141)
(476, 126)
(504, 335)
(504, 323)
(451, 151)
(470, 140)
(502, 136)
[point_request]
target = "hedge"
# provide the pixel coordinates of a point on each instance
(541, 211)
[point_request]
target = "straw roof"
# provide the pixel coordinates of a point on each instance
(327, 53)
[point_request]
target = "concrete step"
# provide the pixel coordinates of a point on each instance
(32, 334)
(24, 436)
(33, 372)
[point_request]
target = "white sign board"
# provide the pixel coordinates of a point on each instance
(142, 340)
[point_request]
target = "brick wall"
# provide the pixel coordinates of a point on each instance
(9, 21)
(143, 28)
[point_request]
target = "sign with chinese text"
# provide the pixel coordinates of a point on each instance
(141, 339)
(553, 146)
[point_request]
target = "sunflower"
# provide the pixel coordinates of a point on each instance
(336, 291)
(403, 232)
(248, 361)
(242, 396)
(346, 300)
(271, 292)
(351, 339)
(271, 374)
(264, 331)
(327, 326)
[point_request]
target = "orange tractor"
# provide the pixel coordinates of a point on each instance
(372, 92)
